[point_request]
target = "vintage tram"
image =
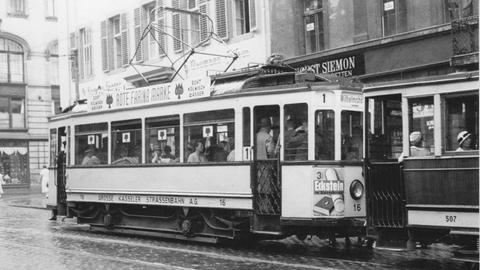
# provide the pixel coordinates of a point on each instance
(264, 151)
(421, 165)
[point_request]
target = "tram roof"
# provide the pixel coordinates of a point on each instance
(439, 79)
(251, 81)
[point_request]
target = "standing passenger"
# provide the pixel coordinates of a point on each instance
(265, 145)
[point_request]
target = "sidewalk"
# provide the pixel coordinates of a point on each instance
(32, 199)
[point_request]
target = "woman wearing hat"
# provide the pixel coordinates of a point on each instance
(416, 148)
(464, 139)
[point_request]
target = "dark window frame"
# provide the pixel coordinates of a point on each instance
(10, 116)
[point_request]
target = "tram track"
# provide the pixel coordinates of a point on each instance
(325, 262)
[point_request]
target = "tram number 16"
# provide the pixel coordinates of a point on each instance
(450, 219)
(357, 207)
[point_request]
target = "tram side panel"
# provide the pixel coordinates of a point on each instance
(207, 186)
(317, 199)
(442, 194)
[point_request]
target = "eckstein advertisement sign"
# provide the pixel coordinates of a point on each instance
(107, 99)
(345, 66)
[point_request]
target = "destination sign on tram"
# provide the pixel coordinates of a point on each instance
(107, 99)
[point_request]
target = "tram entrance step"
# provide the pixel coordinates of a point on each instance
(266, 223)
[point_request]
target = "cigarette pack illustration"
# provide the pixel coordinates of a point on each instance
(324, 206)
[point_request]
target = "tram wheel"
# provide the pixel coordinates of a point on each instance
(301, 236)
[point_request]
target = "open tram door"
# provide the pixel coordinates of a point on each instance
(383, 172)
(266, 182)
(57, 199)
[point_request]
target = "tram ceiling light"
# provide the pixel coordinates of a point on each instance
(356, 189)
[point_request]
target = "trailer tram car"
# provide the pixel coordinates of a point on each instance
(422, 160)
(281, 155)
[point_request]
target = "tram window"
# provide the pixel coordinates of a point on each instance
(420, 113)
(214, 130)
(352, 135)
(53, 146)
(384, 124)
(296, 132)
(247, 142)
(162, 139)
(461, 119)
(126, 142)
(267, 131)
(324, 135)
(91, 144)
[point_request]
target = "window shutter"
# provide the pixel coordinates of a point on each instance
(177, 33)
(203, 22)
(103, 35)
(161, 29)
(221, 18)
(110, 44)
(138, 34)
(143, 25)
(74, 55)
(81, 60)
(252, 15)
(124, 30)
(184, 23)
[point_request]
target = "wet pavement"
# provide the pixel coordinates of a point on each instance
(28, 240)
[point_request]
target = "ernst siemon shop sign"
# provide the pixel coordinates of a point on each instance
(345, 66)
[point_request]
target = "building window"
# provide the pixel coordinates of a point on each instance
(394, 17)
(117, 41)
(114, 38)
(456, 9)
(150, 17)
(85, 53)
(237, 19)
(314, 26)
(11, 61)
(12, 113)
(50, 11)
(241, 23)
(17, 7)
(53, 59)
(14, 163)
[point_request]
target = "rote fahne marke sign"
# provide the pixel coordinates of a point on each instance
(114, 98)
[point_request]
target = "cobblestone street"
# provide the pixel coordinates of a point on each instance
(30, 241)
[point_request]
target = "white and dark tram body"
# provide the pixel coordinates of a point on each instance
(422, 180)
(311, 184)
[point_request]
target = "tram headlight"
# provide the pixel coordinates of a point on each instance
(356, 189)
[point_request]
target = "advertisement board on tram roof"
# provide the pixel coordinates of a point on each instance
(115, 98)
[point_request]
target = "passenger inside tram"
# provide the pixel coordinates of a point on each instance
(123, 157)
(352, 148)
(264, 140)
(90, 158)
(231, 154)
(156, 154)
(198, 155)
(166, 156)
(416, 147)
(464, 139)
(324, 135)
